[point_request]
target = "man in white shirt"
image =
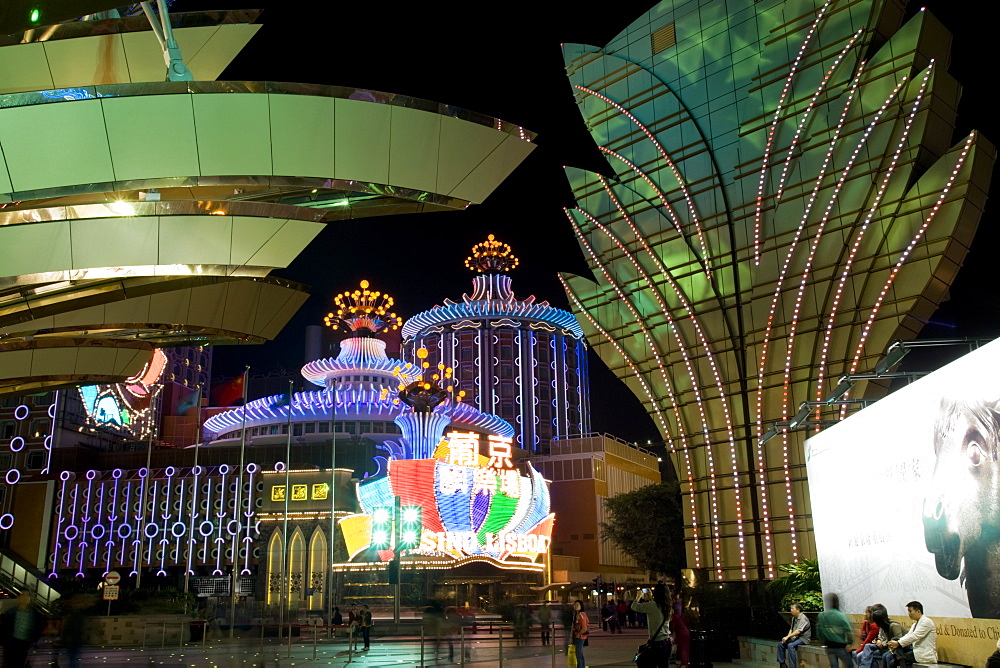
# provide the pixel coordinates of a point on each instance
(919, 645)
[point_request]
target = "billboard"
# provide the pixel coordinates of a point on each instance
(906, 496)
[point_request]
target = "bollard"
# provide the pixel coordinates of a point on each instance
(315, 630)
(421, 645)
(163, 638)
(461, 633)
(204, 633)
(180, 639)
(289, 641)
(552, 628)
(500, 638)
(144, 633)
(261, 636)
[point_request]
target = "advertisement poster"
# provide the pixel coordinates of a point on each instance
(906, 497)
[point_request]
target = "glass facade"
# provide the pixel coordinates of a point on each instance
(788, 201)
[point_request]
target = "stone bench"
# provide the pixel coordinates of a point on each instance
(763, 653)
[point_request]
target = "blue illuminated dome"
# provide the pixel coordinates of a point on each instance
(523, 360)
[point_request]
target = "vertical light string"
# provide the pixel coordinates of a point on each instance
(772, 131)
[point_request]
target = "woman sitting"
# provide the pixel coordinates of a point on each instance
(887, 630)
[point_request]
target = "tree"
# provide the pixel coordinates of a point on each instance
(647, 525)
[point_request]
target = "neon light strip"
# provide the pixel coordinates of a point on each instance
(669, 389)
(671, 214)
(909, 249)
(803, 221)
(773, 131)
(804, 280)
(674, 329)
(856, 245)
(670, 164)
(786, 163)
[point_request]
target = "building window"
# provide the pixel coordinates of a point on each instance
(365, 428)
(35, 460)
(7, 429)
(324, 427)
(297, 429)
(310, 427)
(4, 462)
(273, 429)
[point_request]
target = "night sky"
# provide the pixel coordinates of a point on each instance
(504, 60)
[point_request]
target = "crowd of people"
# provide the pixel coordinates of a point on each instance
(882, 643)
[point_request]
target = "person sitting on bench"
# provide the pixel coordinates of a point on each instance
(798, 634)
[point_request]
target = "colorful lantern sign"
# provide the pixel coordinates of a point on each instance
(467, 505)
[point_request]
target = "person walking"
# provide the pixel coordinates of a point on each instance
(20, 628)
(545, 622)
(678, 624)
(658, 611)
(365, 620)
(581, 631)
(834, 628)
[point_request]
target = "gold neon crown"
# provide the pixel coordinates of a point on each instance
(491, 256)
(363, 308)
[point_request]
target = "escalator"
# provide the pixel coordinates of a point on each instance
(17, 575)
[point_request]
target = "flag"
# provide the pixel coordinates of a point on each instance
(229, 392)
(190, 403)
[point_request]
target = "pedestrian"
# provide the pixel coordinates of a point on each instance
(366, 626)
(545, 622)
(453, 625)
(657, 608)
(610, 617)
(622, 614)
(353, 626)
(834, 628)
(338, 619)
(73, 629)
(20, 627)
(581, 632)
(679, 626)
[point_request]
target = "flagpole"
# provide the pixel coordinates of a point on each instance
(194, 493)
(285, 580)
(149, 474)
(333, 497)
(239, 508)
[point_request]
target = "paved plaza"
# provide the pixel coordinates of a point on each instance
(484, 650)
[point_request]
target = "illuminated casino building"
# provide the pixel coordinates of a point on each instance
(786, 201)
(356, 402)
(523, 360)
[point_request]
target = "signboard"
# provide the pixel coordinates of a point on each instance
(471, 505)
(112, 577)
(904, 496)
(307, 491)
(110, 592)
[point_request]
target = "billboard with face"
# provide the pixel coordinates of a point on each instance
(906, 495)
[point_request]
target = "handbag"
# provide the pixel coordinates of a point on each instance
(646, 655)
(571, 656)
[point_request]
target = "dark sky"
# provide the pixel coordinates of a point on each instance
(504, 60)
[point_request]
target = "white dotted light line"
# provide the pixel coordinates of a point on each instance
(670, 164)
(776, 297)
(666, 205)
(872, 210)
(680, 424)
(772, 131)
(804, 282)
(682, 347)
(906, 253)
(806, 114)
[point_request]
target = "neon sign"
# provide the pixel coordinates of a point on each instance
(472, 505)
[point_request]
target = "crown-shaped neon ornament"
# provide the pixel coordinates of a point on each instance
(425, 394)
(363, 309)
(491, 257)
